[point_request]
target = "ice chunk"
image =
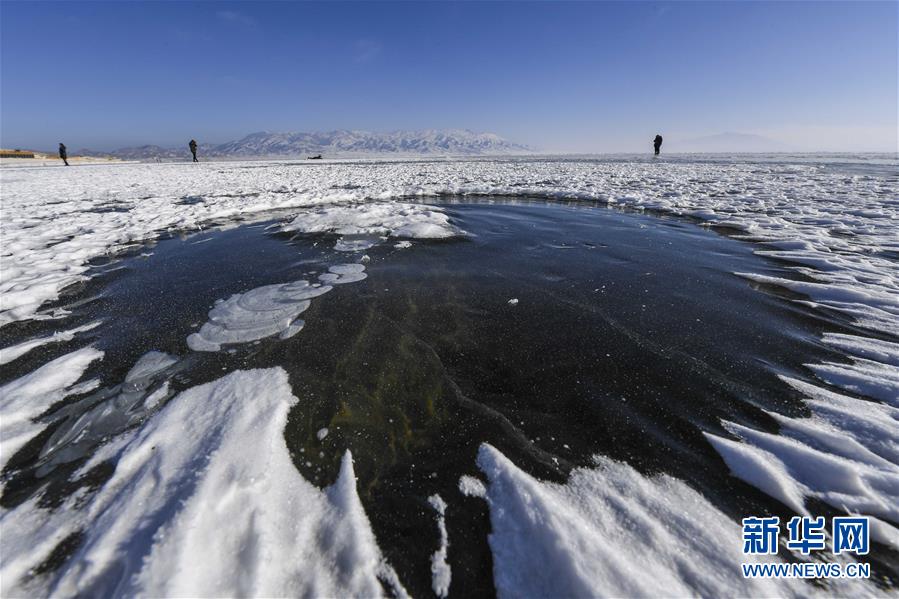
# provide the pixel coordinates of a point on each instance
(256, 314)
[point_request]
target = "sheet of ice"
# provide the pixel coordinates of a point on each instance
(256, 314)
(26, 398)
(87, 423)
(609, 531)
(8, 354)
(186, 486)
(441, 574)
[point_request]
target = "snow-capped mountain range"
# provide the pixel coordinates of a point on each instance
(335, 144)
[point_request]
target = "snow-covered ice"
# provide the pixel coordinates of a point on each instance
(26, 398)
(56, 220)
(834, 226)
(186, 486)
(611, 532)
(13, 352)
(393, 219)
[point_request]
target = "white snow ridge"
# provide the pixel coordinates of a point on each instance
(29, 396)
(205, 501)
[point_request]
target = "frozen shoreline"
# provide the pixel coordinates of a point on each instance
(56, 221)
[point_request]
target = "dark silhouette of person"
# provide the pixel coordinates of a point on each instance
(193, 149)
(63, 154)
(657, 143)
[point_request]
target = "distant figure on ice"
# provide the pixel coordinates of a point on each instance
(193, 149)
(657, 143)
(63, 154)
(318, 157)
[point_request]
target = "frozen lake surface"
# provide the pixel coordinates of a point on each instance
(357, 378)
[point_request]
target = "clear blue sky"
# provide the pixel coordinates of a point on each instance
(561, 76)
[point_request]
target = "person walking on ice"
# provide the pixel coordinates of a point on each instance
(657, 143)
(193, 149)
(63, 154)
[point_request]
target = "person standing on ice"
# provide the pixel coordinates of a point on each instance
(657, 143)
(63, 154)
(193, 149)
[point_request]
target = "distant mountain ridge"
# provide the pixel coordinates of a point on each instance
(266, 144)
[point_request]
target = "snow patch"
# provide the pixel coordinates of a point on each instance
(185, 485)
(441, 574)
(393, 219)
(13, 352)
(611, 532)
(27, 397)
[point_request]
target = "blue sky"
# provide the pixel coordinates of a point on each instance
(560, 76)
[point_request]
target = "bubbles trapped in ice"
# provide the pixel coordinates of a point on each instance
(343, 273)
(256, 314)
